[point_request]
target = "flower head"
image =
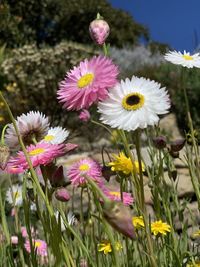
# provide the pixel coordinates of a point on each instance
(115, 195)
(124, 164)
(56, 135)
(99, 31)
(106, 247)
(138, 222)
(84, 167)
(185, 59)
(40, 154)
(133, 104)
(14, 195)
(39, 245)
(31, 125)
(84, 115)
(87, 83)
(159, 227)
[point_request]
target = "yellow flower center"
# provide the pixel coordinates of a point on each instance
(84, 167)
(114, 193)
(16, 195)
(85, 80)
(49, 138)
(133, 101)
(187, 57)
(36, 151)
(37, 244)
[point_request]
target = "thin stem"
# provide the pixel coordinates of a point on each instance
(3, 134)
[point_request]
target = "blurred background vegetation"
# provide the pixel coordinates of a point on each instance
(41, 40)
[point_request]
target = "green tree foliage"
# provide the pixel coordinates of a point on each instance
(51, 21)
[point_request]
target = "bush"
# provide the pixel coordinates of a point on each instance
(33, 75)
(169, 75)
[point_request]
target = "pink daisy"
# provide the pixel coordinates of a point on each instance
(87, 83)
(84, 167)
(39, 245)
(40, 154)
(84, 115)
(116, 196)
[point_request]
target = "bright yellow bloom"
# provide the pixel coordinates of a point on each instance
(159, 227)
(124, 164)
(196, 234)
(138, 222)
(197, 264)
(105, 246)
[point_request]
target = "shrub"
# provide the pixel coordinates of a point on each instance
(33, 75)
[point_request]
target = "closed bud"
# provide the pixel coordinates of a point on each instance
(4, 156)
(83, 263)
(160, 142)
(106, 172)
(174, 155)
(177, 145)
(99, 31)
(119, 217)
(62, 194)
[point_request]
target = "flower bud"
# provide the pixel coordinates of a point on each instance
(84, 115)
(119, 217)
(160, 142)
(4, 156)
(177, 145)
(83, 263)
(106, 172)
(62, 194)
(99, 31)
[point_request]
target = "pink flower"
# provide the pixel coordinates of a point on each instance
(83, 167)
(40, 154)
(84, 115)
(25, 233)
(116, 196)
(87, 83)
(14, 240)
(39, 245)
(99, 31)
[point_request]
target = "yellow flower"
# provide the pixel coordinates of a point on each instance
(196, 264)
(2, 118)
(106, 247)
(196, 234)
(124, 164)
(138, 222)
(159, 227)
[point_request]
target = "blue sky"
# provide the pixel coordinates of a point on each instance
(169, 21)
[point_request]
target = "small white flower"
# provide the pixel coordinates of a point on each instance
(185, 59)
(71, 219)
(30, 125)
(56, 135)
(14, 195)
(134, 104)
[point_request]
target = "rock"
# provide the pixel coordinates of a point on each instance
(168, 124)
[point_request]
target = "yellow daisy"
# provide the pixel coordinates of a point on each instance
(106, 247)
(138, 222)
(124, 164)
(159, 227)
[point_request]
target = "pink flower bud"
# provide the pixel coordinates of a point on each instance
(14, 240)
(84, 115)
(99, 31)
(62, 194)
(119, 217)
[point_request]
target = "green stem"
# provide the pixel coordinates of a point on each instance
(105, 50)
(3, 134)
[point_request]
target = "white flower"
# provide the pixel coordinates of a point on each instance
(14, 195)
(71, 219)
(30, 125)
(56, 135)
(134, 104)
(185, 59)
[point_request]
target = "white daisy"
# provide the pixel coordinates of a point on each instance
(185, 59)
(56, 135)
(31, 125)
(14, 195)
(134, 104)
